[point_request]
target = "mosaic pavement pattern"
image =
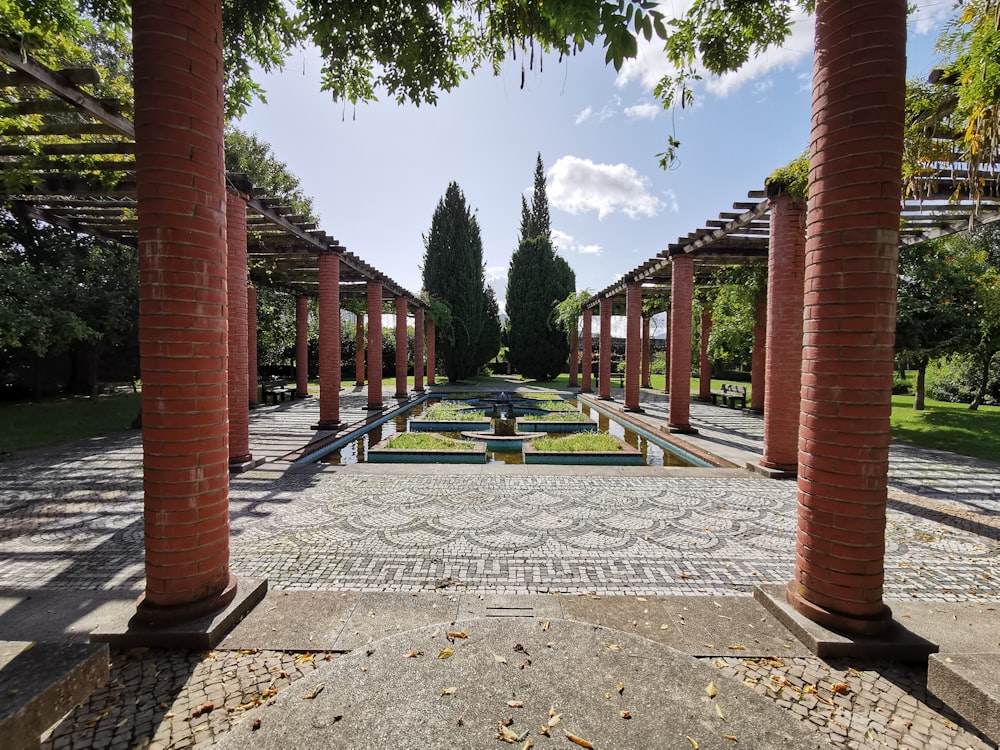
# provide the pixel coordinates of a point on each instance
(78, 524)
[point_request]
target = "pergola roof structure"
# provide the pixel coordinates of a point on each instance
(743, 236)
(72, 165)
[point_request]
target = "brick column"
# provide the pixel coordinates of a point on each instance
(704, 362)
(850, 312)
(574, 356)
(301, 346)
(666, 350)
(645, 353)
(236, 296)
(359, 349)
(431, 348)
(633, 344)
(604, 352)
(758, 361)
(180, 187)
(375, 345)
(252, 383)
(783, 364)
(588, 351)
(681, 292)
(418, 350)
(402, 388)
(329, 342)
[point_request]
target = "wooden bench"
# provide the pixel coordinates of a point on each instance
(732, 396)
(275, 389)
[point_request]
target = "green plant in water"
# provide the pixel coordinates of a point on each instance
(426, 441)
(582, 441)
(452, 411)
(556, 416)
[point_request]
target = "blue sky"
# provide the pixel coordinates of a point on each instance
(376, 171)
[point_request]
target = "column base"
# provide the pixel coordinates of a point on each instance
(605, 398)
(299, 395)
(839, 623)
(332, 426)
(773, 471)
(151, 614)
(132, 629)
(681, 429)
(375, 407)
(634, 409)
(245, 463)
(401, 396)
(421, 389)
(894, 641)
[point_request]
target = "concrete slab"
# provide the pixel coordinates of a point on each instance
(60, 615)
(698, 626)
(970, 685)
(511, 671)
(198, 634)
(40, 682)
(377, 615)
(294, 621)
(956, 627)
(898, 643)
(473, 605)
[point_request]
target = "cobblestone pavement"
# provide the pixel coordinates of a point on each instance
(71, 518)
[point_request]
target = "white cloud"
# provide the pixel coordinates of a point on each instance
(579, 186)
(928, 15)
(651, 64)
(606, 112)
(567, 244)
(643, 111)
(584, 115)
(673, 206)
(496, 273)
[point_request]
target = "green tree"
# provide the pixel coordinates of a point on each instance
(453, 275)
(490, 338)
(410, 49)
(64, 293)
(537, 281)
(535, 220)
(936, 312)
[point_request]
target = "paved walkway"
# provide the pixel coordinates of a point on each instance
(71, 542)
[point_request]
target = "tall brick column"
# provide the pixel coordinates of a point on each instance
(239, 384)
(645, 353)
(252, 385)
(402, 387)
(431, 348)
(574, 356)
(418, 350)
(681, 293)
(301, 346)
(604, 352)
(375, 345)
(633, 344)
(359, 349)
(668, 315)
(180, 176)
(758, 356)
(704, 362)
(850, 312)
(783, 365)
(588, 351)
(329, 342)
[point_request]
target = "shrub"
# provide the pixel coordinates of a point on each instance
(956, 379)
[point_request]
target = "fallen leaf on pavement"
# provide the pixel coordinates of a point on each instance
(255, 726)
(205, 708)
(730, 737)
(613, 646)
(554, 719)
(579, 741)
(446, 652)
(718, 710)
(841, 688)
(737, 648)
(515, 704)
(449, 690)
(499, 659)
(693, 743)
(545, 624)
(414, 654)
(711, 690)
(506, 735)
(318, 689)
(625, 714)
(457, 634)
(620, 688)
(528, 743)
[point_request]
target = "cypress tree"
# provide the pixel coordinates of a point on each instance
(453, 275)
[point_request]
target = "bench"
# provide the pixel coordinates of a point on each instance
(733, 396)
(275, 389)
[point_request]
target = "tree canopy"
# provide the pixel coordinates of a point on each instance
(453, 275)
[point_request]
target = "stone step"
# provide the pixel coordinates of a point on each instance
(970, 685)
(40, 682)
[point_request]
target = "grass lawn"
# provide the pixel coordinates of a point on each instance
(947, 426)
(33, 424)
